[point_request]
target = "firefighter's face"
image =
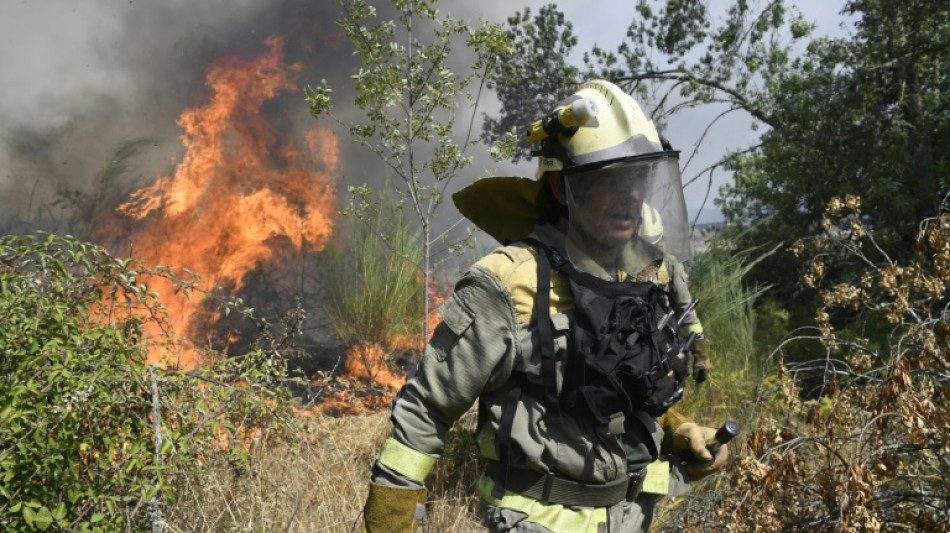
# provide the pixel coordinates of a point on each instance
(606, 207)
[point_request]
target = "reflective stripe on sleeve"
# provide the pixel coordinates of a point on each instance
(556, 518)
(404, 460)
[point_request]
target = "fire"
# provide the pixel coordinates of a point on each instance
(437, 295)
(368, 362)
(241, 195)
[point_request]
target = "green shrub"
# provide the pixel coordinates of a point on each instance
(91, 438)
(75, 436)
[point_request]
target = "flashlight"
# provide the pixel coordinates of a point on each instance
(580, 112)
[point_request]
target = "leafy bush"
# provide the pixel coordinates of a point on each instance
(74, 401)
(91, 438)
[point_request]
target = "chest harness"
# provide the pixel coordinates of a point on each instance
(625, 355)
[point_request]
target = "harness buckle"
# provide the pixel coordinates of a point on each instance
(557, 260)
(635, 481)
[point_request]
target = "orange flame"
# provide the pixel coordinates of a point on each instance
(437, 294)
(240, 195)
(368, 361)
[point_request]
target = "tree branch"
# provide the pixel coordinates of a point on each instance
(684, 76)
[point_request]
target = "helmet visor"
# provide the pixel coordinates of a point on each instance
(625, 215)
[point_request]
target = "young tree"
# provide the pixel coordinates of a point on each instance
(411, 94)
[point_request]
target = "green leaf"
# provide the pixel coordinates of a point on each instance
(29, 515)
(59, 512)
(43, 518)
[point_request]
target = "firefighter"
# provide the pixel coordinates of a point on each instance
(564, 338)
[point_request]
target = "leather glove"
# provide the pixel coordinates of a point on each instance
(700, 352)
(669, 421)
(697, 446)
(393, 510)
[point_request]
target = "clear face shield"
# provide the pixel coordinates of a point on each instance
(626, 215)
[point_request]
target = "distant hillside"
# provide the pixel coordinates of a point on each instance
(708, 215)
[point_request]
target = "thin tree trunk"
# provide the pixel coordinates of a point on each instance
(426, 274)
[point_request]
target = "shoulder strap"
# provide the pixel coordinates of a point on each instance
(545, 330)
(548, 372)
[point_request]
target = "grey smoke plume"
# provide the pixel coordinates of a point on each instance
(79, 77)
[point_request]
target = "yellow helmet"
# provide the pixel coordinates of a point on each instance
(617, 131)
(620, 142)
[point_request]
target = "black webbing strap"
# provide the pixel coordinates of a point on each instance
(503, 436)
(548, 374)
(551, 488)
(546, 332)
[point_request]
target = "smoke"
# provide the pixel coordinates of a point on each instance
(80, 77)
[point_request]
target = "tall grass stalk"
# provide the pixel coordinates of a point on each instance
(717, 278)
(375, 287)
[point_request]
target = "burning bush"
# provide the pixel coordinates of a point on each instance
(374, 305)
(375, 287)
(245, 197)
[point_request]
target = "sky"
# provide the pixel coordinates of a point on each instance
(77, 77)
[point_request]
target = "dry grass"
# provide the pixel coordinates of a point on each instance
(319, 483)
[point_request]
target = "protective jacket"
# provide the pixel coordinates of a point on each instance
(487, 346)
